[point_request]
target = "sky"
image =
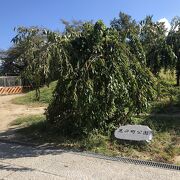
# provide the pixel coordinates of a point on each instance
(47, 13)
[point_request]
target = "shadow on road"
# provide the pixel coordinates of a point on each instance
(14, 150)
(11, 168)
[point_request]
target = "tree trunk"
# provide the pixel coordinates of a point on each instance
(178, 79)
(37, 94)
(178, 71)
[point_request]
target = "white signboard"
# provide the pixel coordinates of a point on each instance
(134, 133)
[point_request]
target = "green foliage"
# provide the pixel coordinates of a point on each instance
(126, 26)
(173, 39)
(169, 100)
(32, 53)
(101, 81)
(129, 31)
(73, 27)
(158, 53)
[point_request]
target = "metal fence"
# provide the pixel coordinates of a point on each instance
(10, 81)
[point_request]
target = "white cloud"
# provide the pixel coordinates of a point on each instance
(166, 23)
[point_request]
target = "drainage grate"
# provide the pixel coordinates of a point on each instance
(132, 161)
(101, 156)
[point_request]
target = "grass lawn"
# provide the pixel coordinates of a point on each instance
(45, 97)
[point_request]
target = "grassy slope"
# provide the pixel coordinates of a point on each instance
(164, 146)
(163, 119)
(29, 98)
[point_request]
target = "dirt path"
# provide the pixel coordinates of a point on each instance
(9, 111)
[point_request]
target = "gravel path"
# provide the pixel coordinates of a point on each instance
(22, 162)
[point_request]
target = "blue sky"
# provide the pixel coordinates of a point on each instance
(47, 13)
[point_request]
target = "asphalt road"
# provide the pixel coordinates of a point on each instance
(23, 162)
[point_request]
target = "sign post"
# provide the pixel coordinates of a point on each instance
(134, 133)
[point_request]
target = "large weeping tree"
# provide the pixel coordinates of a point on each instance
(158, 53)
(101, 81)
(129, 33)
(174, 40)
